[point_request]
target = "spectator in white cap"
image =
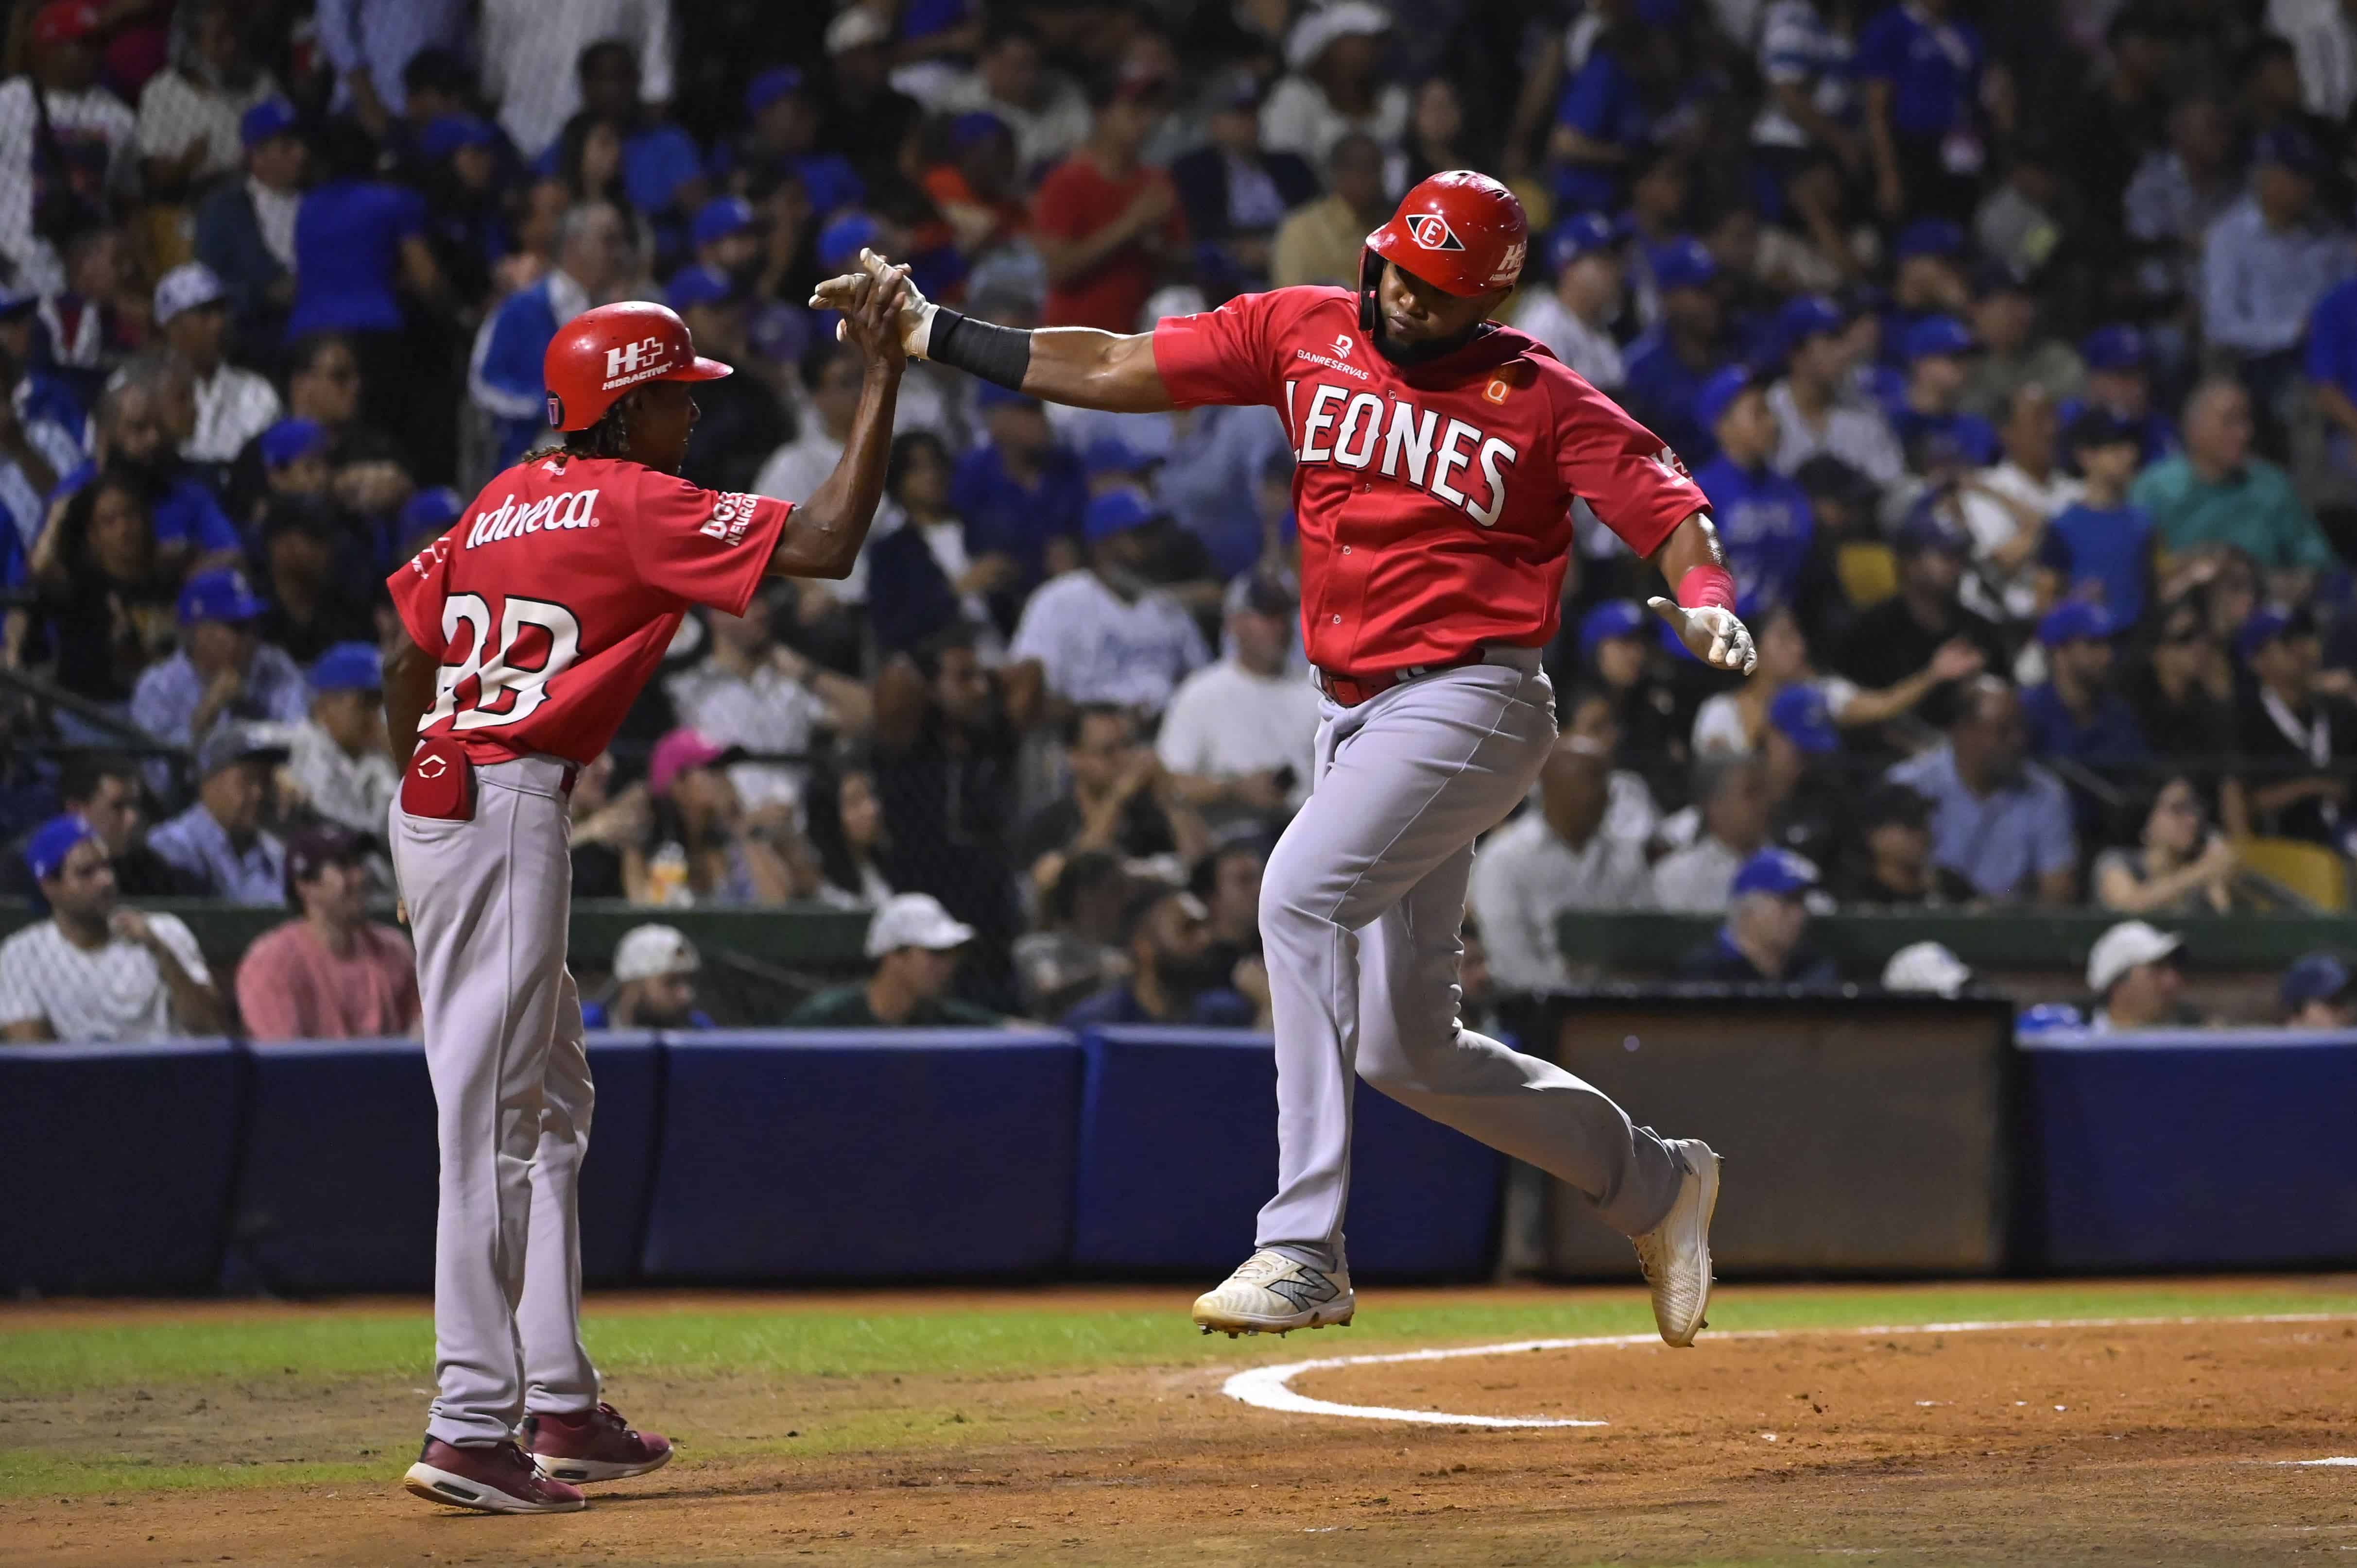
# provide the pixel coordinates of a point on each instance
(1926, 969)
(1334, 55)
(2132, 972)
(654, 983)
(915, 944)
(233, 406)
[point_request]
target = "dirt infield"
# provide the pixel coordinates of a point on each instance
(2160, 1443)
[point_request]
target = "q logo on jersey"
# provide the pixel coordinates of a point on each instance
(1431, 230)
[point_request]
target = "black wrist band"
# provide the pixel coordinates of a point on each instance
(997, 354)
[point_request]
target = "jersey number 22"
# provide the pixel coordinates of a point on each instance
(502, 681)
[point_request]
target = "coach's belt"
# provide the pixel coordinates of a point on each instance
(1350, 690)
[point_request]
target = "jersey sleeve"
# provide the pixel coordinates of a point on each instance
(1226, 355)
(1636, 485)
(174, 933)
(20, 998)
(708, 547)
(418, 587)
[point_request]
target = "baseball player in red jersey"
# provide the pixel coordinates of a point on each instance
(529, 629)
(1437, 457)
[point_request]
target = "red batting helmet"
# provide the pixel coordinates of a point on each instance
(601, 354)
(1458, 230)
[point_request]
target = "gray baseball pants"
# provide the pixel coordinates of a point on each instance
(1361, 911)
(488, 902)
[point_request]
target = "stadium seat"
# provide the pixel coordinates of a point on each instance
(2310, 870)
(1868, 572)
(120, 1157)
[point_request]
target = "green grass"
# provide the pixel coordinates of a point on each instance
(800, 1340)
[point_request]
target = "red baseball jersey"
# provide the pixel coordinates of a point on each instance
(551, 601)
(1434, 501)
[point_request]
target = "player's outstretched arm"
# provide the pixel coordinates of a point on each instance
(822, 536)
(1703, 614)
(1076, 365)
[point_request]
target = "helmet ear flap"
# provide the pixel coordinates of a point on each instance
(1371, 277)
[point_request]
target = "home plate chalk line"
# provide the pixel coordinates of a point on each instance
(1271, 1388)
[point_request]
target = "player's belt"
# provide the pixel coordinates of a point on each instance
(1350, 690)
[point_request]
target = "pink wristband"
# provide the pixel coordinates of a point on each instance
(1706, 588)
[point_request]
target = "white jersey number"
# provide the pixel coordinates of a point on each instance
(503, 680)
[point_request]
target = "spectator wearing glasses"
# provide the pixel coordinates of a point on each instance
(94, 972)
(330, 973)
(2179, 866)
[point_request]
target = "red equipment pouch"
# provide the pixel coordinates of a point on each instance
(440, 782)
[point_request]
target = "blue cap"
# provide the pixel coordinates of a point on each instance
(270, 117)
(1925, 529)
(1800, 713)
(1776, 871)
(436, 508)
(1809, 316)
(446, 133)
(348, 667)
(1684, 263)
(2114, 348)
(2318, 977)
(2286, 147)
(1581, 234)
(2097, 426)
(990, 395)
(2076, 620)
(698, 284)
(219, 596)
(842, 239)
(1719, 393)
(1112, 455)
(290, 439)
(1613, 617)
(1937, 334)
(1115, 512)
(1929, 237)
(46, 851)
(975, 126)
(769, 86)
(721, 216)
(2262, 628)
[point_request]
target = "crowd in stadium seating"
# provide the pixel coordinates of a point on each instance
(2016, 348)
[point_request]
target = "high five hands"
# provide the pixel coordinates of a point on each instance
(849, 292)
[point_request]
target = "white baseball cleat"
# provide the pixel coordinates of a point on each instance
(1675, 1254)
(1272, 1293)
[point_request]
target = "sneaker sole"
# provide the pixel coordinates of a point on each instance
(1709, 1174)
(574, 1472)
(437, 1486)
(1334, 1313)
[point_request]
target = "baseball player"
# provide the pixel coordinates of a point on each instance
(527, 629)
(1438, 455)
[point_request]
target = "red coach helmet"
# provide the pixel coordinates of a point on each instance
(601, 354)
(1458, 230)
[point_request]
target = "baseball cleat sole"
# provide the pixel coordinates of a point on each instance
(1332, 1314)
(575, 1472)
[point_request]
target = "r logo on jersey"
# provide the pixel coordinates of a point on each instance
(1342, 345)
(1431, 230)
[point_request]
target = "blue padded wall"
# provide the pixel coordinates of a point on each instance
(2193, 1152)
(339, 1187)
(1179, 1153)
(120, 1157)
(864, 1154)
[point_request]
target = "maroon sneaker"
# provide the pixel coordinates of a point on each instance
(495, 1477)
(593, 1445)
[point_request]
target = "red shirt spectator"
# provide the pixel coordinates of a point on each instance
(334, 973)
(1103, 221)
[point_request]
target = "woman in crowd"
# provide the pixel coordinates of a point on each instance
(844, 819)
(610, 829)
(2182, 866)
(103, 590)
(921, 577)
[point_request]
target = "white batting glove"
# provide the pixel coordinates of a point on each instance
(1713, 635)
(841, 294)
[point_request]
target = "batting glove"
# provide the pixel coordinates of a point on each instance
(1713, 635)
(840, 293)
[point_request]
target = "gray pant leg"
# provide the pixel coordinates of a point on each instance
(559, 1377)
(487, 910)
(1405, 783)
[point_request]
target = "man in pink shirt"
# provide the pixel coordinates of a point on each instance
(334, 973)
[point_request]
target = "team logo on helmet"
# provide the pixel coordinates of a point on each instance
(1509, 265)
(555, 412)
(1432, 231)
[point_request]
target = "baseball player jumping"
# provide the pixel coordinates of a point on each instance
(530, 629)
(1438, 455)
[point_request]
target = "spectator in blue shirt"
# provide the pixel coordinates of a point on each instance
(468, 222)
(1211, 481)
(1602, 119)
(1765, 523)
(1175, 970)
(2076, 714)
(1668, 365)
(1922, 75)
(1019, 490)
(2119, 382)
(1997, 819)
(1927, 416)
(218, 843)
(223, 673)
(2268, 262)
(2099, 548)
(503, 376)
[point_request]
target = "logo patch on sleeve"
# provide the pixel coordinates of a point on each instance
(732, 514)
(1431, 230)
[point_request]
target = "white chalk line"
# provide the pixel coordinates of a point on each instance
(1271, 1388)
